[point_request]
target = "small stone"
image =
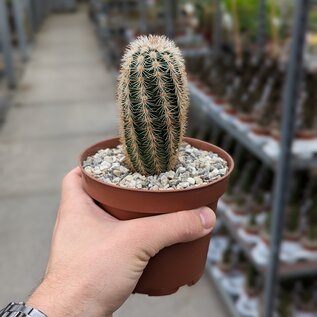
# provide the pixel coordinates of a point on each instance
(183, 185)
(191, 180)
(116, 180)
(108, 159)
(213, 174)
(97, 171)
(88, 169)
(164, 180)
(222, 171)
(98, 160)
(115, 166)
(198, 180)
(184, 176)
(170, 174)
(123, 169)
(117, 172)
(128, 178)
(138, 185)
(104, 165)
(181, 169)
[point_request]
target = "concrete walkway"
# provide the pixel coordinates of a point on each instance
(65, 102)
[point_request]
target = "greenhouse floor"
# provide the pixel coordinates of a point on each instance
(65, 102)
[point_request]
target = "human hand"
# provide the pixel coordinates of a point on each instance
(96, 260)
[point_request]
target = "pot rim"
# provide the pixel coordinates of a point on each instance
(225, 157)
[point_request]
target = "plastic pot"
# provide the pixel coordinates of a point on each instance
(260, 130)
(176, 265)
(246, 117)
(306, 134)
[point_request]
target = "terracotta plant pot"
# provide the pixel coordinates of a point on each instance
(224, 267)
(246, 117)
(239, 211)
(192, 77)
(179, 264)
(252, 293)
(306, 134)
(309, 245)
(265, 237)
(261, 131)
(253, 230)
(229, 109)
(291, 236)
(227, 199)
(219, 101)
(208, 91)
(276, 134)
(200, 85)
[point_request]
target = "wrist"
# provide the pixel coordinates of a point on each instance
(57, 300)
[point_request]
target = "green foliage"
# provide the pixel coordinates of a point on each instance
(306, 293)
(284, 304)
(241, 258)
(240, 200)
(267, 224)
(312, 216)
(259, 198)
(252, 219)
(153, 103)
(227, 255)
(312, 232)
(293, 218)
(252, 278)
(247, 14)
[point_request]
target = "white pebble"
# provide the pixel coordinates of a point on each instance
(198, 180)
(117, 172)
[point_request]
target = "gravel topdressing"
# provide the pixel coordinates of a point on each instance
(195, 167)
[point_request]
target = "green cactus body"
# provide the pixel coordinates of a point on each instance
(153, 103)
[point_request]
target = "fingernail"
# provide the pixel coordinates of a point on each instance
(207, 217)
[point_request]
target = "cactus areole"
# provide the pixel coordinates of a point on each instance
(153, 101)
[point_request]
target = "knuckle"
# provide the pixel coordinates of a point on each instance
(189, 224)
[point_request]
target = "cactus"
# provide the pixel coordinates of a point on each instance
(153, 102)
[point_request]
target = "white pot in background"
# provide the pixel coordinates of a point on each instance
(300, 313)
(248, 306)
(234, 283)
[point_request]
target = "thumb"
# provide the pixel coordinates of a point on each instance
(164, 230)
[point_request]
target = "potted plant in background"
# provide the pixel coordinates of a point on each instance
(249, 232)
(248, 302)
(308, 110)
(291, 247)
(224, 266)
(305, 304)
(150, 170)
(238, 214)
(309, 241)
(235, 281)
(293, 222)
(260, 252)
(285, 303)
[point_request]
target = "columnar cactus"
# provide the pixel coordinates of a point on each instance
(153, 101)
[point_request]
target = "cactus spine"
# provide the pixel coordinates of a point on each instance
(153, 101)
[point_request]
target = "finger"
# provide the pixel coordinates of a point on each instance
(165, 230)
(72, 186)
(81, 203)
